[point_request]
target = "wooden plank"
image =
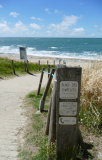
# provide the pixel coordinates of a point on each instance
(68, 92)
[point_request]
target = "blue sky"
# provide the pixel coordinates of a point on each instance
(51, 18)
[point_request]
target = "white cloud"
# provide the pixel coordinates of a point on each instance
(14, 14)
(32, 18)
(36, 18)
(64, 28)
(95, 26)
(1, 6)
(34, 26)
(40, 19)
(78, 30)
(68, 21)
(33, 32)
(56, 11)
(47, 10)
(4, 28)
(48, 32)
(92, 34)
(20, 27)
(5, 22)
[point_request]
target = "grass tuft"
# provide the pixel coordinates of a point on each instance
(6, 68)
(90, 117)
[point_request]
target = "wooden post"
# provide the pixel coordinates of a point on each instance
(27, 66)
(39, 64)
(52, 126)
(54, 63)
(59, 61)
(67, 111)
(42, 101)
(47, 63)
(13, 67)
(48, 71)
(40, 80)
(64, 62)
(48, 116)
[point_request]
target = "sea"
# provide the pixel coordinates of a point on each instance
(77, 48)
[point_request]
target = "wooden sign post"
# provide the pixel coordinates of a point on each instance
(39, 64)
(67, 111)
(13, 67)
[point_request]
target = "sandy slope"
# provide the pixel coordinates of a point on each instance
(12, 92)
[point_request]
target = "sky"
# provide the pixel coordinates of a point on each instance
(51, 18)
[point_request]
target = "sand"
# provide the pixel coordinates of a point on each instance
(12, 94)
(43, 60)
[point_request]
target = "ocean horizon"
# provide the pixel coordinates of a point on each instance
(77, 48)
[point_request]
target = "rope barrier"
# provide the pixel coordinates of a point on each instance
(48, 68)
(46, 72)
(49, 73)
(54, 76)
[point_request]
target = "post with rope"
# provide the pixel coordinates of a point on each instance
(27, 66)
(48, 71)
(13, 66)
(42, 101)
(41, 78)
(67, 111)
(39, 64)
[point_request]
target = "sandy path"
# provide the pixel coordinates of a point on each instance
(12, 92)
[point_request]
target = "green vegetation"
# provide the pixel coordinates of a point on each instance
(6, 68)
(90, 119)
(36, 137)
(91, 98)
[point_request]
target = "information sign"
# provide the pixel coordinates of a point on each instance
(23, 55)
(68, 108)
(67, 120)
(68, 89)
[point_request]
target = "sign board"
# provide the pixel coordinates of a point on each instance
(67, 111)
(23, 55)
(68, 89)
(67, 120)
(68, 108)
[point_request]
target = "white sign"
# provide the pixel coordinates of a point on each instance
(23, 55)
(68, 89)
(68, 108)
(67, 120)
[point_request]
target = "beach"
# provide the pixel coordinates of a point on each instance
(51, 60)
(15, 89)
(73, 51)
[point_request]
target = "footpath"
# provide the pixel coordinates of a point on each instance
(12, 93)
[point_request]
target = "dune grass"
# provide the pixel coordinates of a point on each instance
(6, 68)
(35, 146)
(90, 117)
(91, 97)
